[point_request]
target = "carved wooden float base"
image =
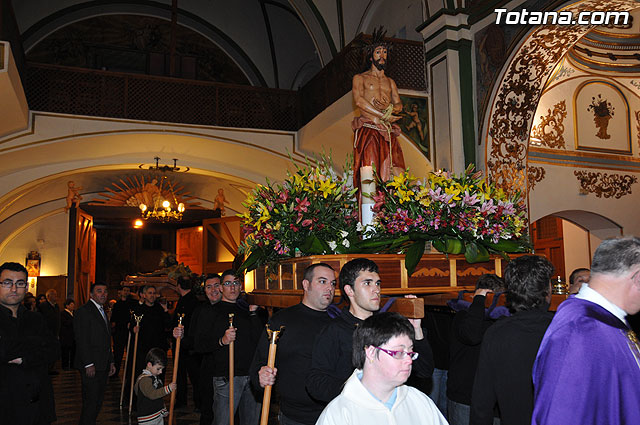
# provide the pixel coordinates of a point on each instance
(435, 273)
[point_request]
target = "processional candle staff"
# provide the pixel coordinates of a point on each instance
(176, 356)
(271, 362)
(231, 355)
(126, 362)
(138, 319)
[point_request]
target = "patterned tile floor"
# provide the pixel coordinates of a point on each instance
(66, 387)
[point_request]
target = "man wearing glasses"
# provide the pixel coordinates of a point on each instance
(26, 349)
(331, 362)
(302, 323)
(216, 335)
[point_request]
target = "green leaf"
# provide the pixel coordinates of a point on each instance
(475, 253)
(314, 246)
(413, 256)
(507, 245)
(454, 246)
(252, 261)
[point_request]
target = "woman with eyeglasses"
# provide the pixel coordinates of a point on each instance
(374, 394)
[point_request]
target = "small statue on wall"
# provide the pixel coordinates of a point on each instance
(73, 196)
(218, 203)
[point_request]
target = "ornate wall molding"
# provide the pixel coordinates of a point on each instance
(518, 94)
(550, 131)
(637, 114)
(534, 175)
(605, 185)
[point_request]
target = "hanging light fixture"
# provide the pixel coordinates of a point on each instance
(162, 209)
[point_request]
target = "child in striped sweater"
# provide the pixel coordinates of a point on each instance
(150, 390)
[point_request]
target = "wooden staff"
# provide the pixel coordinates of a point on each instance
(124, 373)
(175, 371)
(138, 319)
(271, 362)
(231, 354)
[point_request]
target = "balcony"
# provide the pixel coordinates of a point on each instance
(80, 91)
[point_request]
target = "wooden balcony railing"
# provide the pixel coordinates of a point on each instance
(89, 92)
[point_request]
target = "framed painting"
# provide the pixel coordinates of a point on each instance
(414, 122)
(601, 118)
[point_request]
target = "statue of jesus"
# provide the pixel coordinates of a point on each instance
(376, 144)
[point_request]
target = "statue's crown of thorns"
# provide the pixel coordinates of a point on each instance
(377, 39)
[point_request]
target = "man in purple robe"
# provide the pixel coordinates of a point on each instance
(588, 367)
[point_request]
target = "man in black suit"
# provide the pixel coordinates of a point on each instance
(94, 357)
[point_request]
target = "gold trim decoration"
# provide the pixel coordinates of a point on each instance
(518, 92)
(534, 175)
(550, 131)
(637, 114)
(603, 184)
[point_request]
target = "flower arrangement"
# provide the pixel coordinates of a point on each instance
(458, 214)
(314, 211)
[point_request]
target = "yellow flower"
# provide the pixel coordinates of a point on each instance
(298, 180)
(453, 191)
(397, 181)
(265, 215)
(326, 187)
(405, 195)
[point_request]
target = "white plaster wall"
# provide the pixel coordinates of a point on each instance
(53, 231)
(331, 131)
(559, 191)
(576, 247)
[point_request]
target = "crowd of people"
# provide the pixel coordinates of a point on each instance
(508, 364)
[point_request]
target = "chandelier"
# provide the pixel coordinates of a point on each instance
(160, 208)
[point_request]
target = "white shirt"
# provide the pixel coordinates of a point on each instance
(588, 294)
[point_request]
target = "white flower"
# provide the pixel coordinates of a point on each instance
(344, 233)
(359, 227)
(346, 243)
(332, 245)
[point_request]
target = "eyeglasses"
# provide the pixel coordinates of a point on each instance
(399, 355)
(9, 283)
(231, 283)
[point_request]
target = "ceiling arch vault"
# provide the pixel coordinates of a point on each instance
(517, 91)
(258, 36)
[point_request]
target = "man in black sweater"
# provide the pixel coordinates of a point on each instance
(302, 323)
(467, 331)
(188, 362)
(331, 363)
(213, 292)
(509, 348)
(120, 319)
(154, 327)
(215, 337)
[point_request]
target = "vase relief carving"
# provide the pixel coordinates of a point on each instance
(603, 111)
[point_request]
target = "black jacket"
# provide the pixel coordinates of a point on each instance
(66, 329)
(508, 351)
(467, 332)
(93, 338)
(331, 363)
(26, 394)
